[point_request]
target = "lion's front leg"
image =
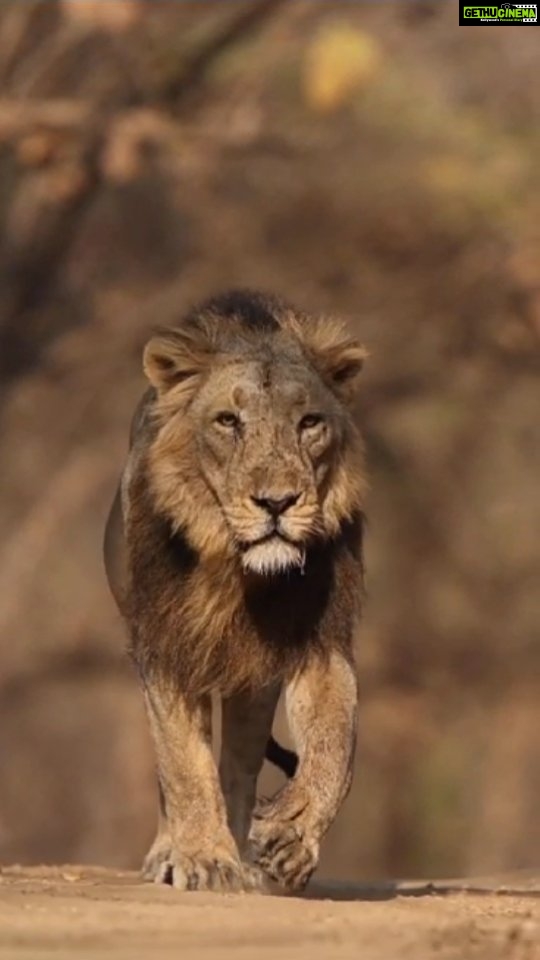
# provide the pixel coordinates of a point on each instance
(287, 830)
(194, 849)
(246, 727)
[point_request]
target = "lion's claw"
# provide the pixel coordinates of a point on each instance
(200, 872)
(285, 853)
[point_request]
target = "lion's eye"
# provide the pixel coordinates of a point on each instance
(228, 419)
(310, 421)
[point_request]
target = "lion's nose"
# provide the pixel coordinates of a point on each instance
(276, 505)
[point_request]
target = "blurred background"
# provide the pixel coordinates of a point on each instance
(372, 160)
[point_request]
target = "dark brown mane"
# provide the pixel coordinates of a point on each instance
(254, 628)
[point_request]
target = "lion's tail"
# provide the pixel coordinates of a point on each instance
(286, 760)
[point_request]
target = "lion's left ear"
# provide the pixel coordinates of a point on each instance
(341, 365)
(338, 357)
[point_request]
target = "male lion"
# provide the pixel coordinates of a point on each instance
(233, 550)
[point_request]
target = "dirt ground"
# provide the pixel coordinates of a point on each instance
(93, 914)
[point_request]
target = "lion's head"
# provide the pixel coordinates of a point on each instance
(255, 452)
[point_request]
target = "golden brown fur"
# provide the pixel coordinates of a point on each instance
(234, 552)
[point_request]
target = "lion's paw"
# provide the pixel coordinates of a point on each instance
(201, 872)
(284, 852)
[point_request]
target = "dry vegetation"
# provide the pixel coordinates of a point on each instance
(371, 160)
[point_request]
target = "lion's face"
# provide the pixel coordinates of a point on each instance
(266, 436)
(262, 437)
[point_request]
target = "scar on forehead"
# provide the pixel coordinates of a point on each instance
(239, 395)
(266, 375)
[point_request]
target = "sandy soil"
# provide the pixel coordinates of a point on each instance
(93, 914)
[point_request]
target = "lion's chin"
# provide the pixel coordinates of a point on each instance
(272, 557)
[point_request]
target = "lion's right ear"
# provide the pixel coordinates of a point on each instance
(173, 357)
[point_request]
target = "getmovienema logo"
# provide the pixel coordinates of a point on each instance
(505, 14)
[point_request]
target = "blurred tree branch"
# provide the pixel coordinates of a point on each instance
(238, 27)
(33, 255)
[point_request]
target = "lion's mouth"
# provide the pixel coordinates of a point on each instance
(271, 536)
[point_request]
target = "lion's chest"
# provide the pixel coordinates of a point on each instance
(208, 627)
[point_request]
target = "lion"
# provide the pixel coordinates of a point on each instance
(234, 552)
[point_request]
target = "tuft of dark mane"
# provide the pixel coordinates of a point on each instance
(255, 311)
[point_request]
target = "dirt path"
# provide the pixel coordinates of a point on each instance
(87, 914)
